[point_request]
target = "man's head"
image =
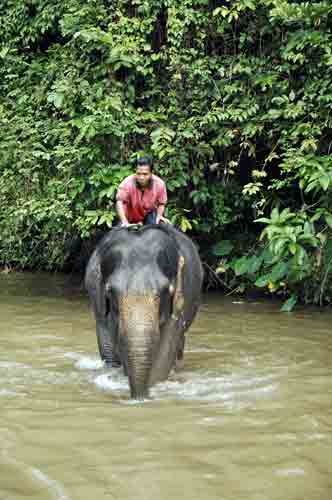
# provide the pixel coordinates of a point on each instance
(143, 171)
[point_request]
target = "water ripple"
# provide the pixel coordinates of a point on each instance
(55, 488)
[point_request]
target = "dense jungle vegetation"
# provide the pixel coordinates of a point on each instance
(233, 99)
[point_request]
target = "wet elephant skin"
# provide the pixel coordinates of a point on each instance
(144, 286)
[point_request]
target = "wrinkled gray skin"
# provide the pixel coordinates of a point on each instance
(144, 286)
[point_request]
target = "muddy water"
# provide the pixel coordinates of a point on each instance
(250, 417)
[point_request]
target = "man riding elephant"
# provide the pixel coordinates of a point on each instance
(141, 197)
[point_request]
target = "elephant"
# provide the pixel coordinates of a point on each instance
(144, 285)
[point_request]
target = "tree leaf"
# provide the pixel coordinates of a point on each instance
(279, 270)
(325, 182)
(241, 266)
(289, 304)
(262, 280)
(254, 263)
(222, 248)
(328, 220)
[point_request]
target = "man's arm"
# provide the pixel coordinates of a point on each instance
(121, 212)
(160, 212)
(162, 200)
(122, 198)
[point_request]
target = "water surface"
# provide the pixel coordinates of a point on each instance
(249, 417)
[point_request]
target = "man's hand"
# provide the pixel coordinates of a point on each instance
(160, 213)
(131, 224)
(163, 219)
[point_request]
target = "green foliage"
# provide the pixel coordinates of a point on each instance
(232, 99)
(222, 248)
(290, 236)
(289, 304)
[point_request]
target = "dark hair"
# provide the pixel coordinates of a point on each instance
(143, 161)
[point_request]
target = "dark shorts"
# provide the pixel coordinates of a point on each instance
(150, 218)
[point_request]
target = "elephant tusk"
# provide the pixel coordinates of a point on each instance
(178, 301)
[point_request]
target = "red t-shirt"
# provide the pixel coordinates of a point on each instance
(138, 202)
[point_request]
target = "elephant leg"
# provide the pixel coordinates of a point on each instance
(106, 345)
(179, 361)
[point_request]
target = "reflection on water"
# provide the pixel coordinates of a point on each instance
(248, 418)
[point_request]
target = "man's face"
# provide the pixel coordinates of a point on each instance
(143, 175)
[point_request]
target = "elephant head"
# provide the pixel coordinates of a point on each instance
(139, 294)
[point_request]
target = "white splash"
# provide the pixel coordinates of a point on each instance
(109, 383)
(84, 362)
(87, 363)
(290, 472)
(230, 390)
(6, 392)
(203, 389)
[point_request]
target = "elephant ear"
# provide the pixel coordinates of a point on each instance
(98, 292)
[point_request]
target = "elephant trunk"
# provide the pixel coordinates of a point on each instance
(139, 340)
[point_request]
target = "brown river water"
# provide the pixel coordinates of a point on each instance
(249, 417)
